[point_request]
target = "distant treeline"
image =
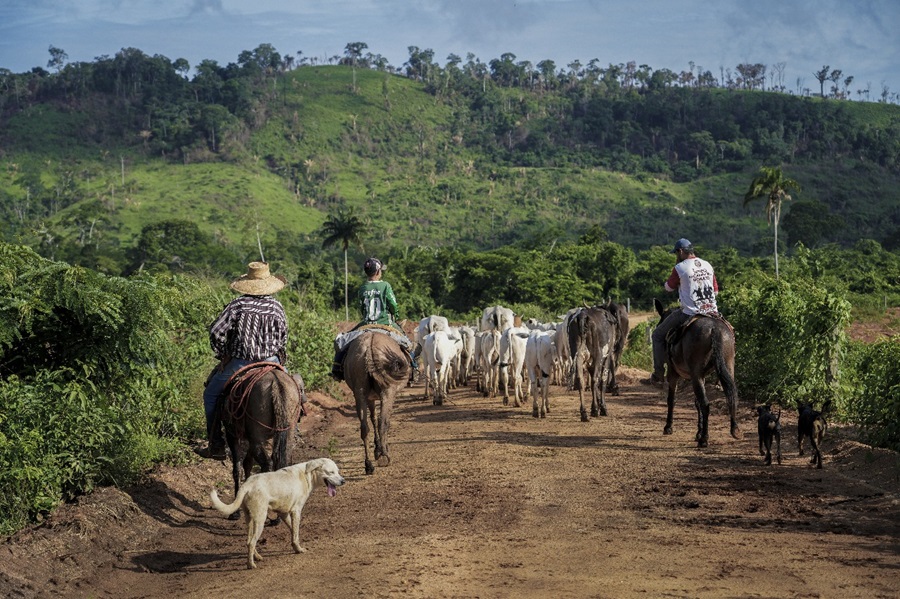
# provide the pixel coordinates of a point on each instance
(626, 117)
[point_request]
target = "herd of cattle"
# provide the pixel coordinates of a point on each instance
(520, 358)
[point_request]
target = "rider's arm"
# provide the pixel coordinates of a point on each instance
(673, 281)
(391, 300)
(219, 329)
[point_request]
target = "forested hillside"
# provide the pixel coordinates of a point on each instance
(127, 161)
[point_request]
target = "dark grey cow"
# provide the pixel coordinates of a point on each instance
(592, 342)
(620, 313)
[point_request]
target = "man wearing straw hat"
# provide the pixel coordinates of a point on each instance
(251, 328)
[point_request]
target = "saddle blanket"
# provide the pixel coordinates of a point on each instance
(344, 339)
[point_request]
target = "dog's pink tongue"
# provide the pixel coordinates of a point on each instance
(332, 490)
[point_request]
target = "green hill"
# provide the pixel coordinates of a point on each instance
(445, 160)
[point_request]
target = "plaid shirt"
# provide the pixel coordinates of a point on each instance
(250, 328)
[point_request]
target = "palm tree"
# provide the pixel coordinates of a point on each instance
(345, 227)
(772, 185)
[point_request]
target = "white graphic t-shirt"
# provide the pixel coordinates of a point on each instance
(696, 284)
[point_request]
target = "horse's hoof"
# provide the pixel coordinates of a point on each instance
(505, 401)
(702, 443)
(584, 417)
(737, 434)
(543, 414)
(594, 413)
(667, 430)
(603, 412)
(534, 413)
(384, 460)
(370, 469)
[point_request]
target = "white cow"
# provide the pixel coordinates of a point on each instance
(467, 354)
(456, 338)
(489, 359)
(512, 363)
(444, 352)
(540, 359)
(426, 326)
(497, 318)
(426, 363)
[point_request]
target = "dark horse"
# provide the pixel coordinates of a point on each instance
(706, 344)
(375, 369)
(263, 404)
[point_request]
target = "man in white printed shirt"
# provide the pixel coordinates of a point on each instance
(697, 287)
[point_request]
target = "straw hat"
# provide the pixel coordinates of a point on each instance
(258, 281)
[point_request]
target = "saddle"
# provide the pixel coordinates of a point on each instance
(235, 396)
(675, 335)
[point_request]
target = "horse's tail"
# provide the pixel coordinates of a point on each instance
(282, 385)
(228, 508)
(385, 361)
(726, 375)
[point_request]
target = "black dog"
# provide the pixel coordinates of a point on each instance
(812, 424)
(769, 427)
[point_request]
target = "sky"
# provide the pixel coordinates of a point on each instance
(859, 37)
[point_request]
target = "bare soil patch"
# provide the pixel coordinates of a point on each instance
(482, 500)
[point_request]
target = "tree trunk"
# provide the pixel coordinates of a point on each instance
(346, 290)
(775, 220)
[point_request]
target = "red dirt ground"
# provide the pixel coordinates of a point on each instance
(482, 500)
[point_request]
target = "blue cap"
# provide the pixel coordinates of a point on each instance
(683, 244)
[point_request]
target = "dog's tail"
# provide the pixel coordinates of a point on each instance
(228, 508)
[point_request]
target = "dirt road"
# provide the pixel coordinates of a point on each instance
(483, 500)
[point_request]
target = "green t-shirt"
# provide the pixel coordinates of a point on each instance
(377, 303)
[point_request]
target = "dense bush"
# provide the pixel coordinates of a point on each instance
(101, 377)
(790, 339)
(873, 391)
(98, 377)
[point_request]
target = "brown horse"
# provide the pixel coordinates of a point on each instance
(375, 369)
(264, 405)
(706, 344)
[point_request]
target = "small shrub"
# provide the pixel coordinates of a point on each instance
(639, 352)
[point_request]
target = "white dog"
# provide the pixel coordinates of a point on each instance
(285, 492)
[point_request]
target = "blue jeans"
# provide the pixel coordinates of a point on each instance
(214, 388)
(675, 319)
